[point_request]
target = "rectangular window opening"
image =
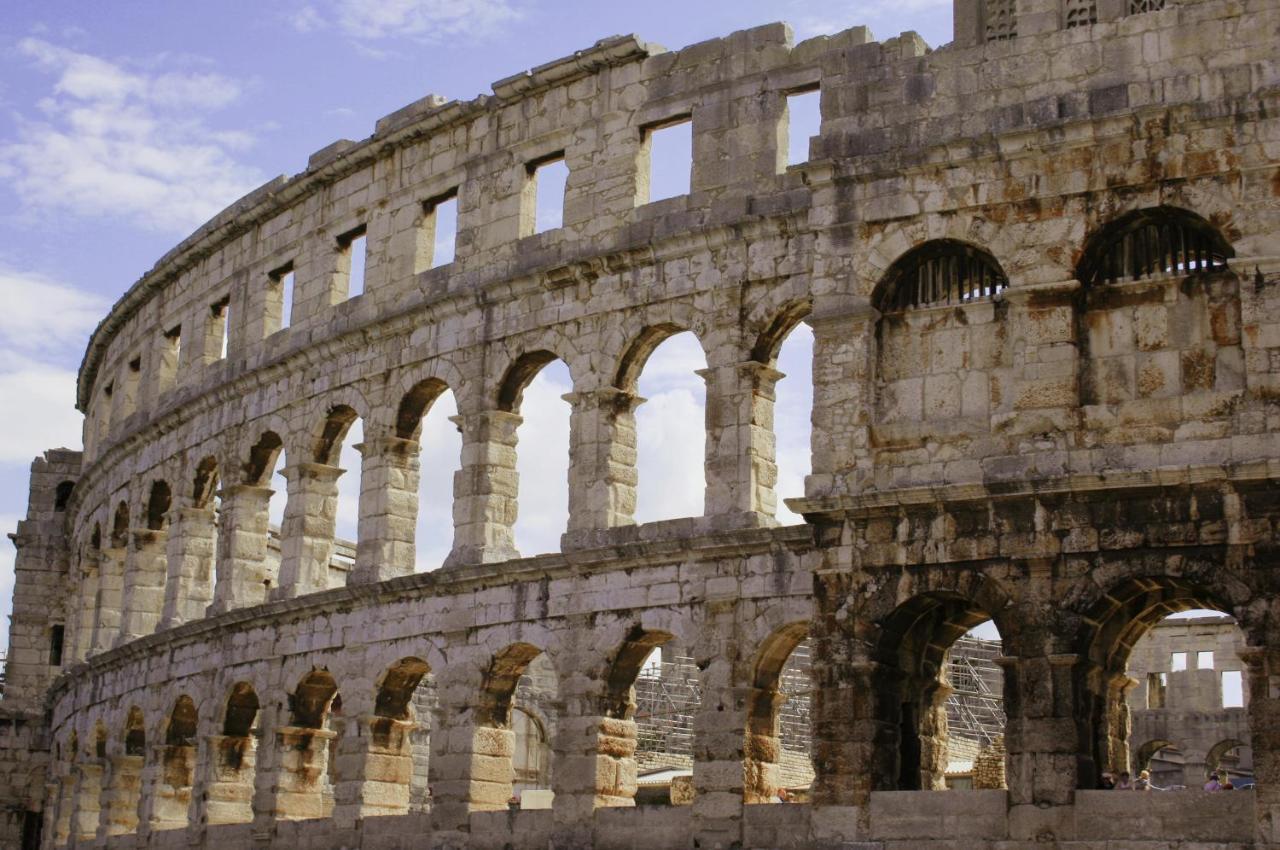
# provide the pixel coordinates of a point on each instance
(1178, 662)
(548, 178)
(666, 161)
(439, 230)
(1156, 690)
(56, 634)
(1232, 689)
(170, 351)
(1204, 660)
(804, 120)
(282, 282)
(352, 245)
(222, 327)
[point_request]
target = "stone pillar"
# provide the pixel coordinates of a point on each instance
(63, 792)
(121, 796)
(228, 782)
(80, 640)
(485, 489)
(1263, 670)
(243, 575)
(88, 810)
(306, 536)
(106, 616)
(594, 755)
(741, 465)
(855, 750)
(470, 771)
(1048, 752)
(762, 747)
(718, 777)
(192, 548)
(375, 770)
(844, 352)
(602, 462)
(144, 589)
(385, 544)
(294, 788)
(167, 783)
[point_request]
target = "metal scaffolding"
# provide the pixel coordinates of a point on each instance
(975, 708)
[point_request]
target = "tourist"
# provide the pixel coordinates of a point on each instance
(1143, 782)
(1213, 784)
(782, 796)
(1125, 784)
(1108, 781)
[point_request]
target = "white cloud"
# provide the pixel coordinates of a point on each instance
(8, 524)
(40, 314)
(542, 461)
(44, 394)
(121, 141)
(428, 21)
(882, 16)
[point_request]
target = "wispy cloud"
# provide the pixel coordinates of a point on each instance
(125, 140)
(428, 21)
(885, 18)
(42, 315)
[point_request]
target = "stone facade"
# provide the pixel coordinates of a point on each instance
(1042, 269)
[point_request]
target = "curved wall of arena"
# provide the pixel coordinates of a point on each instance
(1033, 450)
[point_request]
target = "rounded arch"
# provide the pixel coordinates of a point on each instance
(396, 687)
(120, 526)
(241, 713)
(938, 272)
(205, 481)
(99, 739)
(135, 732)
(519, 375)
(1149, 242)
(327, 440)
(769, 341)
(158, 502)
(1143, 754)
(1213, 760)
(415, 404)
(498, 688)
(183, 725)
(636, 354)
(261, 459)
(625, 667)
(310, 702)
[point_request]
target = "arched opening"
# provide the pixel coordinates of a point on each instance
(229, 793)
(338, 445)
(125, 780)
(109, 604)
(398, 735)
(1152, 242)
(250, 532)
(171, 791)
(197, 547)
(62, 495)
(1185, 701)
(1157, 648)
(663, 367)
(518, 697)
(778, 763)
(937, 341)
(943, 707)
(306, 770)
(158, 506)
(787, 347)
(425, 415)
(88, 809)
(64, 799)
(534, 388)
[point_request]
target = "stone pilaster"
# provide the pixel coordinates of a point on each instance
(121, 796)
(62, 793)
(595, 765)
(192, 548)
(228, 779)
(485, 489)
(1046, 751)
(144, 580)
(470, 771)
(740, 460)
(294, 781)
(376, 769)
(1262, 666)
(386, 545)
(88, 806)
(307, 534)
(106, 615)
(166, 789)
(243, 576)
(855, 751)
(844, 352)
(602, 462)
(80, 635)
(718, 777)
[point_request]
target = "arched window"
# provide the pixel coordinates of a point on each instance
(939, 273)
(1153, 242)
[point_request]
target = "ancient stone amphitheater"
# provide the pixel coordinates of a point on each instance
(1042, 269)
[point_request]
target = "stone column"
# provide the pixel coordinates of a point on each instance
(192, 548)
(375, 770)
(243, 575)
(470, 770)
(1263, 670)
(121, 796)
(718, 777)
(485, 489)
(1048, 754)
(844, 352)
(294, 788)
(229, 779)
(167, 783)
(741, 466)
(143, 584)
(855, 750)
(595, 765)
(63, 791)
(602, 463)
(88, 811)
(106, 617)
(385, 544)
(306, 536)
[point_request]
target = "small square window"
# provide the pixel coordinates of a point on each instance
(804, 120)
(666, 167)
(1232, 689)
(1204, 660)
(548, 179)
(1178, 662)
(437, 241)
(352, 246)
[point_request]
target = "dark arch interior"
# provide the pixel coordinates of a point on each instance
(396, 692)
(62, 495)
(1152, 241)
(626, 667)
(158, 506)
(120, 527)
(500, 682)
(205, 482)
(182, 724)
(518, 377)
(242, 711)
(939, 272)
(262, 458)
(638, 353)
(414, 406)
(309, 704)
(770, 342)
(336, 425)
(135, 734)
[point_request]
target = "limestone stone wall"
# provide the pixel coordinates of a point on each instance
(1042, 269)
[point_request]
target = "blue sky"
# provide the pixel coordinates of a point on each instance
(125, 125)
